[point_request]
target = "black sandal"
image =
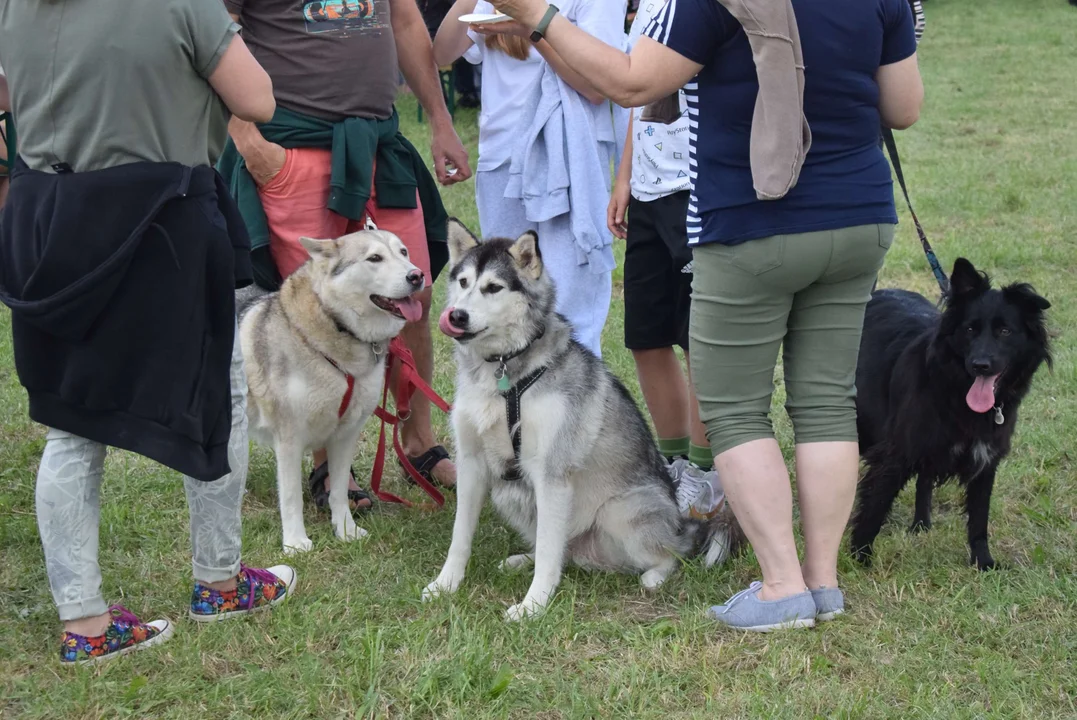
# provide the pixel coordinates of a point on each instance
(425, 464)
(320, 494)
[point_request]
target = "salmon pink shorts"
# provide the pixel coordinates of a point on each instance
(295, 203)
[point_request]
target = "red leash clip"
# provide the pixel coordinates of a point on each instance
(408, 381)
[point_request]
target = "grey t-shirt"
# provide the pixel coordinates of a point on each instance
(100, 83)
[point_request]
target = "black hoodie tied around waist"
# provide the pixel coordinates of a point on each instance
(121, 284)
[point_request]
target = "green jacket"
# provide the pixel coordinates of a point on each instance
(355, 143)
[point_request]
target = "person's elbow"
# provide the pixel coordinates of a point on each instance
(260, 104)
(444, 55)
(904, 116)
(594, 97)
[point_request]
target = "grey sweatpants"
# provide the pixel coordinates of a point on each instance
(69, 509)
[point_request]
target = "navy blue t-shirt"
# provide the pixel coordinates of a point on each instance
(845, 180)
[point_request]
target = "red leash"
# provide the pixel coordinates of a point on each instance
(408, 382)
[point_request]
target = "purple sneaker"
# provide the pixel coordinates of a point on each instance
(256, 590)
(124, 634)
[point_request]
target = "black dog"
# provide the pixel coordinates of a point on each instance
(937, 397)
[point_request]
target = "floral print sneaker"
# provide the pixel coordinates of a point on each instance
(124, 634)
(256, 589)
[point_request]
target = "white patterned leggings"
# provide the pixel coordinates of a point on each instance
(69, 509)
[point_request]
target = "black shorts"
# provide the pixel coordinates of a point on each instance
(658, 273)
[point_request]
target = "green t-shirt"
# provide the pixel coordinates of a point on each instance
(100, 83)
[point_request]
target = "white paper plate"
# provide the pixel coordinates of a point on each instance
(483, 18)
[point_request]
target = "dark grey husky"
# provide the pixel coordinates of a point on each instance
(553, 438)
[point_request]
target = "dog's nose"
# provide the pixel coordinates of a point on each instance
(981, 366)
(458, 318)
(415, 278)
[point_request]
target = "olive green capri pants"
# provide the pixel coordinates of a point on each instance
(806, 292)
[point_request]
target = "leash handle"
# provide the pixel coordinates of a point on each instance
(932, 260)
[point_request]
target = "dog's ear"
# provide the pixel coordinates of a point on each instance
(1025, 296)
(320, 248)
(460, 241)
(525, 251)
(966, 280)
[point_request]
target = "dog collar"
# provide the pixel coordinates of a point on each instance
(502, 371)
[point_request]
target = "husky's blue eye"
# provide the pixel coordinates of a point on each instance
(374, 259)
(492, 288)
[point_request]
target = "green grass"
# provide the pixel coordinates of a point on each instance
(992, 168)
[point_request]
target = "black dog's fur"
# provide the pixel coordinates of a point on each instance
(916, 367)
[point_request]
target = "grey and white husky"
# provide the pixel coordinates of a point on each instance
(555, 440)
(315, 360)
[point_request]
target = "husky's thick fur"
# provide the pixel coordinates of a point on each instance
(938, 395)
(332, 318)
(590, 486)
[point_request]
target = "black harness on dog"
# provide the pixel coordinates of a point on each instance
(512, 393)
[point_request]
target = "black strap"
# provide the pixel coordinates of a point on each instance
(512, 413)
(936, 268)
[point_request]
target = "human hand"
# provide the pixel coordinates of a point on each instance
(527, 12)
(505, 27)
(450, 157)
(617, 211)
(263, 158)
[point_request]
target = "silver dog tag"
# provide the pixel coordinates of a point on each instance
(999, 417)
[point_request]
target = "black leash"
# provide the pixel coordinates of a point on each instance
(936, 268)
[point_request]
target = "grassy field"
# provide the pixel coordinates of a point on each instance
(994, 173)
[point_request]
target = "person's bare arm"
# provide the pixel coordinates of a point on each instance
(452, 41)
(5, 95)
(576, 81)
(242, 83)
(901, 93)
(651, 72)
(617, 211)
(416, 57)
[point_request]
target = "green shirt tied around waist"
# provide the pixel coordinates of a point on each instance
(354, 143)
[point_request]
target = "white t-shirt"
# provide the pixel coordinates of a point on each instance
(507, 82)
(659, 152)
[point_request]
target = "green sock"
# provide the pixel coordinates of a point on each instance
(673, 447)
(700, 456)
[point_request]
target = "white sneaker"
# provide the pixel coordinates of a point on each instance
(676, 468)
(699, 493)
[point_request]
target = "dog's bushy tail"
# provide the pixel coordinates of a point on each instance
(717, 539)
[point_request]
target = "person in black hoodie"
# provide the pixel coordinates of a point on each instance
(120, 252)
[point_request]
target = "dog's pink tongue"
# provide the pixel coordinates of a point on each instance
(981, 397)
(410, 308)
(447, 327)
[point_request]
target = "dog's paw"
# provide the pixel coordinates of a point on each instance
(919, 526)
(441, 586)
(863, 555)
(653, 578)
(987, 563)
(525, 609)
(297, 545)
(516, 562)
(348, 530)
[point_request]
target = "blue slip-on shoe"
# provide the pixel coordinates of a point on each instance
(745, 611)
(829, 603)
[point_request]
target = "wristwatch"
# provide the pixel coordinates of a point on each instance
(544, 23)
